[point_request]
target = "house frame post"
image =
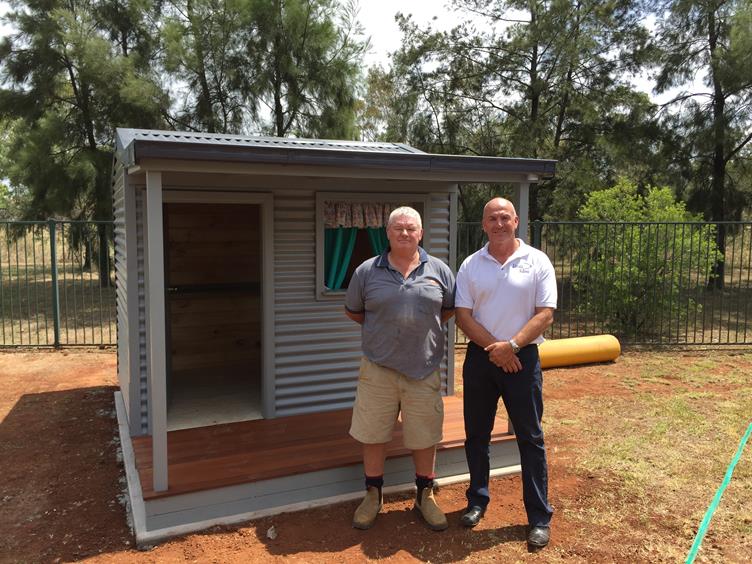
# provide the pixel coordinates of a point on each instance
(522, 195)
(157, 335)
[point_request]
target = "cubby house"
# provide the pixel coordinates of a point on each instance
(237, 366)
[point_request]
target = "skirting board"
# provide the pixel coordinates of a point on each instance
(160, 519)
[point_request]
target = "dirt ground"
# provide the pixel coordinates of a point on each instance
(62, 487)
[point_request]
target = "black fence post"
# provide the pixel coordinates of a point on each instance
(537, 228)
(55, 288)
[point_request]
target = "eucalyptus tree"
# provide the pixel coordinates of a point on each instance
(710, 39)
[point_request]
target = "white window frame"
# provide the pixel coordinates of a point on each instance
(322, 292)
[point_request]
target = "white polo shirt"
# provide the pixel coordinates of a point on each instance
(503, 297)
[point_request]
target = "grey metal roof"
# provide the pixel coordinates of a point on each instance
(127, 136)
(134, 145)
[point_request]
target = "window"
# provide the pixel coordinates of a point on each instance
(350, 229)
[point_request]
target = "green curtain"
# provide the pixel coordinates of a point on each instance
(377, 238)
(339, 243)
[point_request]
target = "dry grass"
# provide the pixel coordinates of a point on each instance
(661, 452)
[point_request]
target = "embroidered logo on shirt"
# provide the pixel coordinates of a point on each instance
(523, 267)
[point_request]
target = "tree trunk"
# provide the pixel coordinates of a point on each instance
(718, 182)
(204, 103)
(534, 94)
(279, 116)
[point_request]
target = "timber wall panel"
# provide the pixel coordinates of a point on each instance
(213, 263)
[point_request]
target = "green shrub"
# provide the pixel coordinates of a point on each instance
(635, 264)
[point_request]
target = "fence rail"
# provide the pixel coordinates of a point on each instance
(650, 283)
(56, 283)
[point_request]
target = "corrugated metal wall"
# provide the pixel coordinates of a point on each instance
(440, 247)
(317, 348)
(126, 370)
(121, 279)
(143, 320)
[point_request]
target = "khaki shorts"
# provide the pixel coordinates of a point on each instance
(383, 393)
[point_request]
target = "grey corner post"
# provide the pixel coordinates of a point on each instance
(55, 288)
(522, 195)
(157, 334)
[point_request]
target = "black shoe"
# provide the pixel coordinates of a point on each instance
(472, 516)
(538, 536)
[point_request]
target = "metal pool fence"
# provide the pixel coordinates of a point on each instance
(56, 283)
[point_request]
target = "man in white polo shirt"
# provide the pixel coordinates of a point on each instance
(505, 299)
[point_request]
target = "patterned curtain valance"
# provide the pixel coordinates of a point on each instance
(357, 214)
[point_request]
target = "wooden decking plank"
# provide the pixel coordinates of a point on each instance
(237, 453)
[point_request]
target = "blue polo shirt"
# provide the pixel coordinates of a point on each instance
(402, 329)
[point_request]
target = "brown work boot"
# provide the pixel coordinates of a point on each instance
(430, 511)
(369, 508)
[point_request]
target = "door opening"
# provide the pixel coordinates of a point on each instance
(213, 279)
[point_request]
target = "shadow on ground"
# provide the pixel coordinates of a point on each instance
(60, 487)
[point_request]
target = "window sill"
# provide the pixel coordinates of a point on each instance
(331, 295)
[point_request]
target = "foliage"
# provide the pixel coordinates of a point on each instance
(67, 87)
(531, 79)
(204, 55)
(710, 40)
(280, 67)
(305, 63)
(628, 269)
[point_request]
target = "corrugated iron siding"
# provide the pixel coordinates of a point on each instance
(143, 357)
(317, 347)
(121, 279)
(125, 370)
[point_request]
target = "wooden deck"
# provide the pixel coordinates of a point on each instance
(238, 453)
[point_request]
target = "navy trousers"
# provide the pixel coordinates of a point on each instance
(522, 392)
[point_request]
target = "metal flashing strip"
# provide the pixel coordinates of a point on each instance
(136, 508)
(145, 538)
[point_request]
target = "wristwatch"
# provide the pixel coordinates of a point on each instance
(514, 345)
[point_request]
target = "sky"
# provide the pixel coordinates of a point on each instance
(377, 17)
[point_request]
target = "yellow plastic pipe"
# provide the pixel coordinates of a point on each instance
(578, 350)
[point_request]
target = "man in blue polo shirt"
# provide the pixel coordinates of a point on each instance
(401, 298)
(506, 296)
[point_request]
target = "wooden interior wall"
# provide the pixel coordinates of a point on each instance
(213, 260)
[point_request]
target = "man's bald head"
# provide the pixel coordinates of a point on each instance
(497, 204)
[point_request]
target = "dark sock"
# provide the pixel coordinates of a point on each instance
(423, 482)
(375, 482)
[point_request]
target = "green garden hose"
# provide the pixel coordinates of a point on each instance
(717, 499)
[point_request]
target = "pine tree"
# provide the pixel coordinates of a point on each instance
(65, 89)
(710, 38)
